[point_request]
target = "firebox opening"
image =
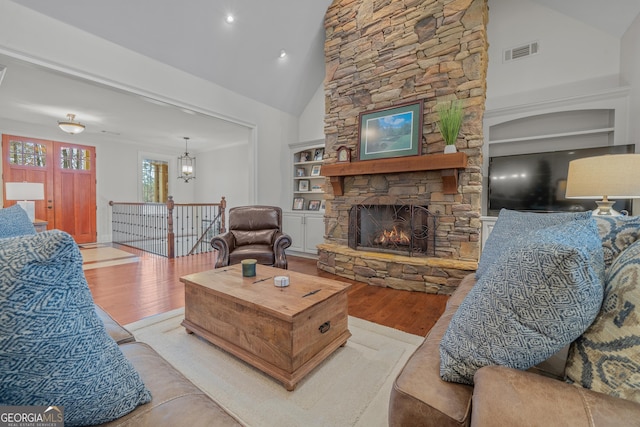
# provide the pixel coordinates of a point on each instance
(401, 229)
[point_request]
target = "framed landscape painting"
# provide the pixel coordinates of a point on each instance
(391, 132)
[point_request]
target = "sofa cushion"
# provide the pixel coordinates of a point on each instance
(508, 397)
(176, 400)
(53, 347)
(512, 227)
(537, 298)
(419, 397)
(617, 233)
(14, 221)
(115, 330)
(606, 358)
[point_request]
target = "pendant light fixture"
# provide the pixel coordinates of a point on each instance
(186, 164)
(70, 125)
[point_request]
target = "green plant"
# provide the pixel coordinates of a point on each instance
(451, 116)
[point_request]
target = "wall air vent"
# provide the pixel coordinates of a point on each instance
(520, 52)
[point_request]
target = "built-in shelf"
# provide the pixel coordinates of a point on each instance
(449, 164)
(554, 136)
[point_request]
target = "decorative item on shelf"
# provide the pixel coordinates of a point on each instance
(300, 172)
(343, 154)
(314, 205)
(298, 204)
(315, 170)
(303, 185)
(391, 132)
(305, 156)
(323, 205)
(451, 116)
(316, 187)
(318, 154)
(70, 125)
(25, 193)
(186, 164)
(613, 175)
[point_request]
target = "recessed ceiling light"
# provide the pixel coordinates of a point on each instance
(230, 18)
(283, 53)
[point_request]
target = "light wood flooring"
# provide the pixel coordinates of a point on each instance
(130, 292)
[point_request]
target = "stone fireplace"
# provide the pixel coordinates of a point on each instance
(395, 229)
(380, 54)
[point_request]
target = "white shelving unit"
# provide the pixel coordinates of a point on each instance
(304, 222)
(581, 121)
(308, 182)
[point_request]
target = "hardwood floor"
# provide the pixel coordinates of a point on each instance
(130, 292)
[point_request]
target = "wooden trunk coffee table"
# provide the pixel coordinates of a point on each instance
(284, 332)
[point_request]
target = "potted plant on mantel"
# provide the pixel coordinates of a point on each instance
(451, 115)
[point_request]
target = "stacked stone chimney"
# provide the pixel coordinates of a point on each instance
(382, 53)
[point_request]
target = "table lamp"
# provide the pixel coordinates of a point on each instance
(613, 176)
(25, 193)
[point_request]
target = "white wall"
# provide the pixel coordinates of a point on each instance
(630, 75)
(225, 174)
(98, 60)
(574, 58)
(311, 121)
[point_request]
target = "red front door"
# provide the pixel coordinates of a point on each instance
(68, 172)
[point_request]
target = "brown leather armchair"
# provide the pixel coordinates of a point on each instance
(254, 232)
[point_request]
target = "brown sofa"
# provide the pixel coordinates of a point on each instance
(501, 396)
(254, 232)
(176, 401)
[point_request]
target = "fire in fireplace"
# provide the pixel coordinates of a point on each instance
(401, 229)
(392, 237)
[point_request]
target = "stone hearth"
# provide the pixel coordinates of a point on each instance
(422, 274)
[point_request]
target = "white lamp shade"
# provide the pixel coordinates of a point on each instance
(616, 176)
(24, 191)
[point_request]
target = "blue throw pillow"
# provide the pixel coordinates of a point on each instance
(54, 350)
(14, 221)
(617, 233)
(513, 226)
(606, 358)
(537, 298)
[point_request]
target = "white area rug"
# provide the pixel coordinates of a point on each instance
(105, 256)
(350, 388)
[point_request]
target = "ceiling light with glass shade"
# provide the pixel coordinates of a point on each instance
(71, 125)
(186, 164)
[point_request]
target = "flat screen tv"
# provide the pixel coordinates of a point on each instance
(536, 182)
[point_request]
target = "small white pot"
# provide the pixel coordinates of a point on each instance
(450, 149)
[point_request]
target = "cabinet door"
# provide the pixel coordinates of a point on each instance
(314, 226)
(487, 228)
(293, 225)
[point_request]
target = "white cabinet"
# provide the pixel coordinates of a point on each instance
(487, 227)
(314, 232)
(293, 225)
(306, 230)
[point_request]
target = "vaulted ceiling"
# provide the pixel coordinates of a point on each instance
(193, 36)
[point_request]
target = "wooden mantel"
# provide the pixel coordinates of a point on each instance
(447, 163)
